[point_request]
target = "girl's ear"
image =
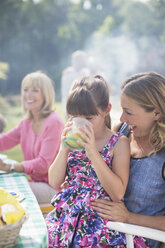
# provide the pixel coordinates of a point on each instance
(157, 114)
(108, 109)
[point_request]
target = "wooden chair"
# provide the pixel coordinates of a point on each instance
(131, 230)
(46, 208)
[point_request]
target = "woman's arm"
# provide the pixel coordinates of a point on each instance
(11, 138)
(7, 167)
(40, 151)
(116, 211)
(7, 141)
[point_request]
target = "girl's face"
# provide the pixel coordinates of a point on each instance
(33, 98)
(136, 117)
(98, 121)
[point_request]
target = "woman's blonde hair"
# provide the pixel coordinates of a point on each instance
(87, 96)
(148, 90)
(43, 82)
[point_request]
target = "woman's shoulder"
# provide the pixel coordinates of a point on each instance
(54, 118)
(24, 122)
(155, 157)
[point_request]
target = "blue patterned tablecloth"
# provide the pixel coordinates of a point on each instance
(33, 232)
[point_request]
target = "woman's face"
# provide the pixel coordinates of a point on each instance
(33, 98)
(136, 117)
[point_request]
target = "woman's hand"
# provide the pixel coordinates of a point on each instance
(115, 211)
(4, 166)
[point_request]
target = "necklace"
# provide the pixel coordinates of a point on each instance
(140, 147)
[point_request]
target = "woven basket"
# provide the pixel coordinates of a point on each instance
(9, 234)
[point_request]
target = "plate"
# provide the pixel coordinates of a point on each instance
(7, 161)
(18, 195)
(3, 172)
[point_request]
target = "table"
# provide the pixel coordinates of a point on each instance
(34, 231)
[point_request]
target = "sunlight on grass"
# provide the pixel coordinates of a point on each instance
(15, 153)
(59, 110)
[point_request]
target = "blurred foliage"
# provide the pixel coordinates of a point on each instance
(4, 68)
(107, 25)
(43, 35)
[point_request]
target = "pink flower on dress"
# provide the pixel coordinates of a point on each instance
(139, 242)
(85, 242)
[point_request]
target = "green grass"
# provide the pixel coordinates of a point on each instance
(59, 110)
(13, 116)
(15, 153)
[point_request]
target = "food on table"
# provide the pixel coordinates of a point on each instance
(11, 210)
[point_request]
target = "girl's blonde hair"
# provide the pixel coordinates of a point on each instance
(43, 82)
(87, 96)
(148, 90)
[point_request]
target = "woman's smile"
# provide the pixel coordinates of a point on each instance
(33, 98)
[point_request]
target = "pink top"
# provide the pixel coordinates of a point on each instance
(39, 149)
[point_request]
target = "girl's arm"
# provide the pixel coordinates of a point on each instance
(57, 170)
(116, 211)
(114, 181)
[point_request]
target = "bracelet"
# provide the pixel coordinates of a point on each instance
(12, 168)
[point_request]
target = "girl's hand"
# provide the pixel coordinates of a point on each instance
(115, 211)
(66, 129)
(89, 143)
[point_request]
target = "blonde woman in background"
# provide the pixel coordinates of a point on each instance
(38, 134)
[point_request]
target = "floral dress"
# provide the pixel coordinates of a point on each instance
(73, 223)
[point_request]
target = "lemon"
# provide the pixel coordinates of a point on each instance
(71, 141)
(12, 211)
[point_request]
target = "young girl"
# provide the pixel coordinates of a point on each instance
(101, 170)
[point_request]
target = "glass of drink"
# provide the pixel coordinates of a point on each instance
(71, 137)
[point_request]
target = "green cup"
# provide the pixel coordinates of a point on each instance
(71, 137)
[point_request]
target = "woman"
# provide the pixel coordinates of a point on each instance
(143, 118)
(38, 134)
